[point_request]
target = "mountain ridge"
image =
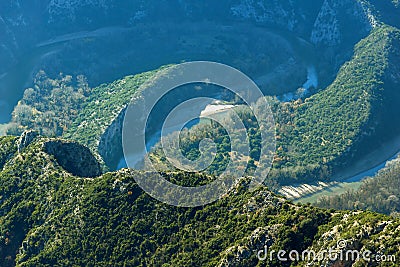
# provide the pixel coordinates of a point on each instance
(68, 220)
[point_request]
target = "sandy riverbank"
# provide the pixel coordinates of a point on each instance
(348, 178)
(214, 109)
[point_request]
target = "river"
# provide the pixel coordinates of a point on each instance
(352, 183)
(205, 108)
(164, 44)
(13, 82)
(312, 82)
(350, 178)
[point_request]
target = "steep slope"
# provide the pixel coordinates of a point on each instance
(53, 15)
(49, 217)
(333, 124)
(324, 133)
(333, 128)
(53, 20)
(83, 37)
(99, 124)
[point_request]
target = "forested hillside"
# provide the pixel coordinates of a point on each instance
(315, 136)
(50, 105)
(52, 218)
(329, 69)
(331, 127)
(327, 131)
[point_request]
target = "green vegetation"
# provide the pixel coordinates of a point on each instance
(327, 131)
(50, 106)
(352, 115)
(68, 107)
(7, 149)
(51, 218)
(190, 141)
(327, 127)
(380, 193)
(58, 208)
(315, 136)
(105, 103)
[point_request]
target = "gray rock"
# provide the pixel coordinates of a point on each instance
(26, 139)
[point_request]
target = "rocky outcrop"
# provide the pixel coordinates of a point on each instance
(336, 19)
(110, 145)
(258, 240)
(74, 158)
(58, 17)
(330, 22)
(326, 28)
(57, 8)
(362, 229)
(321, 21)
(282, 13)
(26, 139)
(325, 21)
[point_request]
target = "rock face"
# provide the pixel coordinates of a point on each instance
(282, 13)
(320, 22)
(26, 139)
(74, 158)
(323, 22)
(110, 148)
(336, 19)
(326, 27)
(330, 21)
(261, 238)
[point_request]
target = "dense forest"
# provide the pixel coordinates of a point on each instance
(50, 106)
(65, 200)
(326, 131)
(50, 217)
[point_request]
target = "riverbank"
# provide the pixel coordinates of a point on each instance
(350, 178)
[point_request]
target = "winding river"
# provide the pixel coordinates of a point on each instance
(20, 76)
(350, 178)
